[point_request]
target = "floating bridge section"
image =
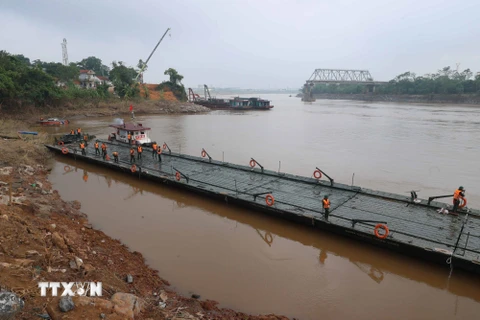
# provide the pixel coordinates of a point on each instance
(415, 227)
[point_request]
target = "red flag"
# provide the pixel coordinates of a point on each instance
(131, 108)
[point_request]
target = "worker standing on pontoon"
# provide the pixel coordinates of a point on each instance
(154, 150)
(326, 206)
(97, 151)
(457, 195)
(132, 155)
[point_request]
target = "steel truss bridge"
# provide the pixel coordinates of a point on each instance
(339, 76)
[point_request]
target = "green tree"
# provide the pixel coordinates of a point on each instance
(95, 64)
(21, 82)
(61, 72)
(122, 78)
(175, 78)
(22, 58)
(174, 84)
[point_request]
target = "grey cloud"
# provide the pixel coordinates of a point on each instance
(251, 43)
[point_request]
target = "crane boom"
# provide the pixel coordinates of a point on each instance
(151, 54)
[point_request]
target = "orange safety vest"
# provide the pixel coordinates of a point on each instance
(132, 152)
(154, 146)
(96, 145)
(457, 195)
(79, 130)
(115, 154)
(129, 136)
(85, 138)
(326, 203)
(104, 147)
(82, 146)
(139, 149)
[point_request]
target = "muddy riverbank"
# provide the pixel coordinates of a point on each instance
(71, 111)
(46, 239)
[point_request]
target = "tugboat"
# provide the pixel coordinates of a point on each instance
(236, 103)
(53, 122)
(138, 133)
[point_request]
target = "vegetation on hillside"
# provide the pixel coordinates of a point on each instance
(445, 81)
(39, 83)
(174, 85)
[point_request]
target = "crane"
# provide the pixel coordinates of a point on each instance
(151, 54)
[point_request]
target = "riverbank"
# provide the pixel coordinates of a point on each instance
(85, 109)
(46, 239)
(434, 98)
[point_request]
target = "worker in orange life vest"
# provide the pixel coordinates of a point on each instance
(154, 150)
(82, 147)
(115, 156)
(104, 150)
(326, 206)
(97, 151)
(139, 152)
(132, 155)
(457, 195)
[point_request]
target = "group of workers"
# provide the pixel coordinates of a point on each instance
(77, 132)
(156, 151)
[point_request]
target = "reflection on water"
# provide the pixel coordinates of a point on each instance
(260, 264)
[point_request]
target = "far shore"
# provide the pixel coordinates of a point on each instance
(463, 100)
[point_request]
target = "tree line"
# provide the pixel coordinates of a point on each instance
(23, 81)
(444, 81)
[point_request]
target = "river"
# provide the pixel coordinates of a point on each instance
(257, 264)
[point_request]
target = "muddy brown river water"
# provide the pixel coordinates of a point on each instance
(259, 264)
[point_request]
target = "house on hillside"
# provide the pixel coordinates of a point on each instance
(87, 79)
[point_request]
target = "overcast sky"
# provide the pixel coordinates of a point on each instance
(250, 43)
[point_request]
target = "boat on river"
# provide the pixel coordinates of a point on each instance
(237, 103)
(53, 122)
(138, 133)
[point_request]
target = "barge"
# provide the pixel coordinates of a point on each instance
(415, 227)
(237, 103)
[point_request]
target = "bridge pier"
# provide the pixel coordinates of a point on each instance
(307, 92)
(370, 88)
